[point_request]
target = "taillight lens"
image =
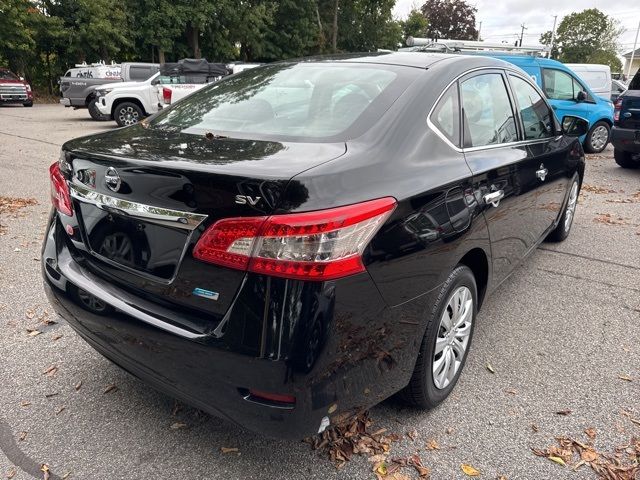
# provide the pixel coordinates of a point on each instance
(60, 196)
(166, 94)
(320, 245)
(617, 106)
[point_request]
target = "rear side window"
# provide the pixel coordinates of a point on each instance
(139, 73)
(446, 115)
(559, 85)
(486, 111)
(536, 116)
(597, 80)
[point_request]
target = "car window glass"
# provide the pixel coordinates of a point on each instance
(558, 85)
(446, 115)
(139, 73)
(536, 116)
(595, 79)
(487, 113)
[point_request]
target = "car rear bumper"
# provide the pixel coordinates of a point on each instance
(364, 352)
(625, 139)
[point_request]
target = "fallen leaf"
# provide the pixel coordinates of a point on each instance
(557, 460)
(535, 428)
(490, 368)
(33, 332)
(44, 468)
(563, 412)
(588, 455)
(414, 460)
(78, 385)
(590, 432)
(11, 473)
(449, 431)
(626, 378)
(501, 477)
(511, 391)
(433, 445)
(60, 410)
(110, 388)
(397, 476)
(469, 470)
(177, 406)
(178, 425)
(57, 337)
(65, 476)
(49, 395)
(377, 458)
(412, 434)
(229, 450)
(380, 468)
(25, 403)
(51, 371)
(22, 436)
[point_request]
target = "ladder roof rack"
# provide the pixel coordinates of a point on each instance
(450, 46)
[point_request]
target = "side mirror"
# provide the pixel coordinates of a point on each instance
(574, 126)
(581, 97)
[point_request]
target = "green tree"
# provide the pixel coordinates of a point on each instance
(17, 37)
(415, 25)
(585, 36)
(366, 25)
(451, 19)
(159, 24)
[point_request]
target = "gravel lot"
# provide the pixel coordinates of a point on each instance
(559, 335)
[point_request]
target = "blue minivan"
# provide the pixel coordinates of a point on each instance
(567, 94)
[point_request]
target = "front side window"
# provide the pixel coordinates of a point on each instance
(559, 85)
(536, 115)
(446, 115)
(487, 113)
(7, 75)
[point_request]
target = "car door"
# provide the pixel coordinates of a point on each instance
(561, 88)
(503, 173)
(546, 154)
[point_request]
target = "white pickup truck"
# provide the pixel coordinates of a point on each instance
(129, 102)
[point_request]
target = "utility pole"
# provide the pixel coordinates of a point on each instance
(479, 30)
(522, 33)
(633, 52)
(553, 34)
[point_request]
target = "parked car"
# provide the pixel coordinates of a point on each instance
(596, 76)
(617, 87)
(14, 89)
(80, 92)
(128, 103)
(625, 135)
(298, 242)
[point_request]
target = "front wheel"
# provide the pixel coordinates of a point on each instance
(94, 112)
(28, 104)
(597, 138)
(128, 113)
(561, 232)
(446, 341)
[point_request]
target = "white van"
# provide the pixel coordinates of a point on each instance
(598, 77)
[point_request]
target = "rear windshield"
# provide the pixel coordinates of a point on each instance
(319, 101)
(7, 75)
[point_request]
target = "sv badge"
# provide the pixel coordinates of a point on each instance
(244, 199)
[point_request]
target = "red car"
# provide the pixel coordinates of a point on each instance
(14, 89)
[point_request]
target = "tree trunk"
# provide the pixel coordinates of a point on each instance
(195, 41)
(334, 39)
(321, 39)
(160, 56)
(49, 79)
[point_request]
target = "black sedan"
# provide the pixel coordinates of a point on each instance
(302, 240)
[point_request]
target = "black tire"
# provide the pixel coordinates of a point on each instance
(127, 113)
(625, 159)
(422, 391)
(593, 142)
(94, 112)
(28, 104)
(562, 230)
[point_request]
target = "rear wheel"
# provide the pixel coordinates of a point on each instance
(597, 138)
(128, 113)
(94, 112)
(446, 341)
(28, 104)
(625, 159)
(566, 220)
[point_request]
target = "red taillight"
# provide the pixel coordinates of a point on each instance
(166, 94)
(617, 106)
(271, 397)
(60, 196)
(320, 245)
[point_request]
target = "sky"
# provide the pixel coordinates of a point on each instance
(501, 19)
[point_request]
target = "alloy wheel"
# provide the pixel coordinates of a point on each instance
(453, 337)
(571, 206)
(128, 116)
(599, 137)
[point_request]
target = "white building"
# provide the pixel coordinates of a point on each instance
(636, 62)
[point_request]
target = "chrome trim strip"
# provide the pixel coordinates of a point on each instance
(444, 138)
(161, 216)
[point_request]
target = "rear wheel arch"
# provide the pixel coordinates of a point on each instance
(478, 262)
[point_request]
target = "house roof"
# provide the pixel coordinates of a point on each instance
(635, 55)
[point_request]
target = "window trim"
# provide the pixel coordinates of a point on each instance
(432, 124)
(544, 99)
(504, 70)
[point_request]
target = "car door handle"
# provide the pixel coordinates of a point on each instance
(493, 198)
(542, 173)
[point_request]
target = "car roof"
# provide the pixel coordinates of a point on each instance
(422, 60)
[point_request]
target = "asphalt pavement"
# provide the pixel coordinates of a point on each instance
(562, 334)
